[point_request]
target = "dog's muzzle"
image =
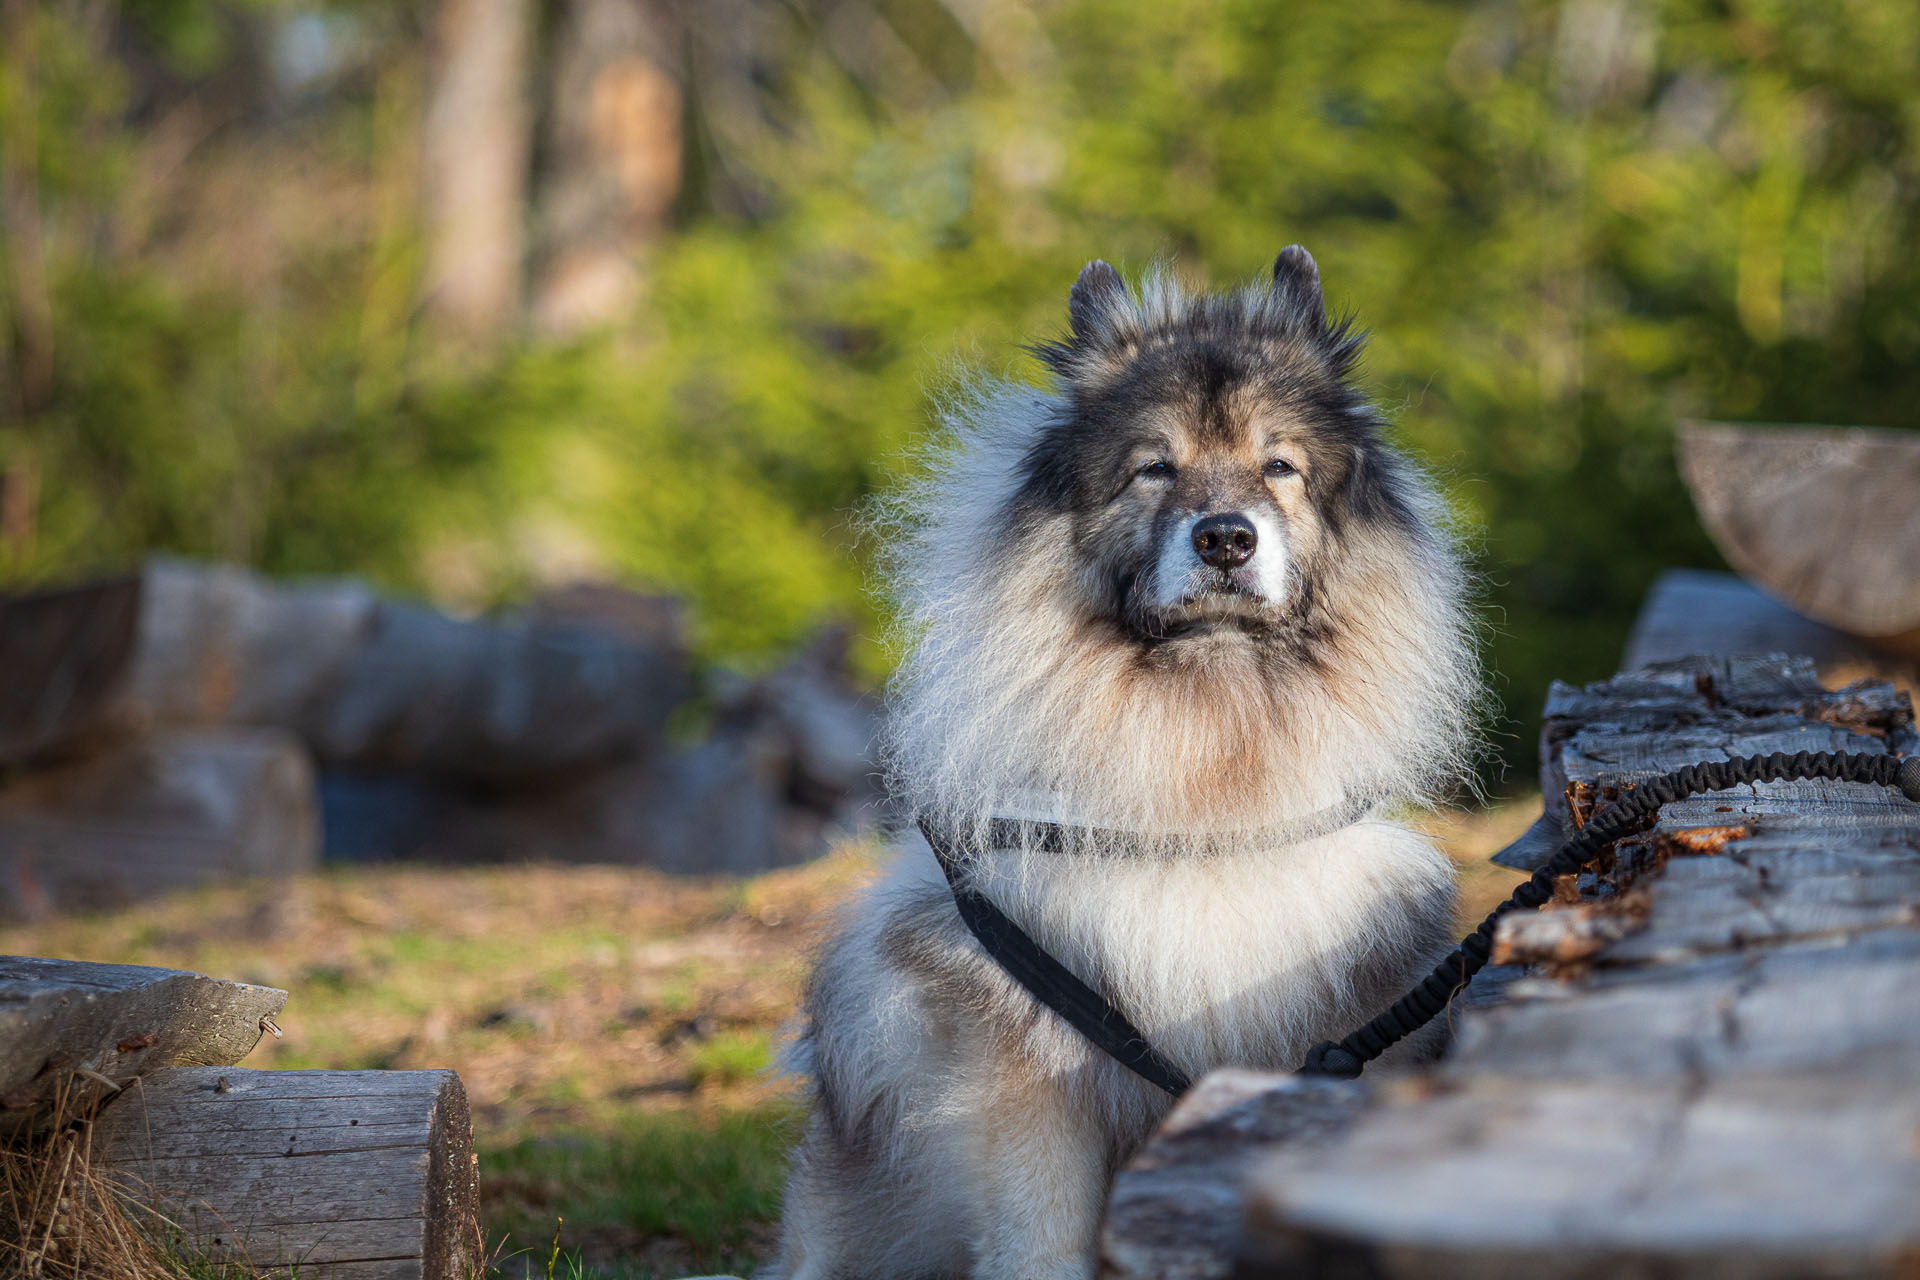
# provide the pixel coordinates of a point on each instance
(1229, 560)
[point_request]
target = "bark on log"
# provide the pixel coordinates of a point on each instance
(1825, 518)
(219, 644)
(354, 1175)
(1648, 721)
(505, 704)
(121, 1020)
(1718, 1083)
(159, 813)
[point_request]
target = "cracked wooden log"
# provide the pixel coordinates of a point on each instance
(353, 1175)
(1824, 518)
(118, 1020)
(1715, 1076)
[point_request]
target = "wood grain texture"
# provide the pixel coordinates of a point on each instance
(347, 1173)
(1765, 1178)
(1823, 517)
(120, 1020)
(1723, 1083)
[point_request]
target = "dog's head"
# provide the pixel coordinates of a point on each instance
(1209, 455)
(1190, 586)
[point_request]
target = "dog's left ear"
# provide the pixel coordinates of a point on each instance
(1297, 280)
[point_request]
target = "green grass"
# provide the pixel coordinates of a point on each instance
(733, 1057)
(709, 1181)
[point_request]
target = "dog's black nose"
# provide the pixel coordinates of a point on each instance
(1225, 542)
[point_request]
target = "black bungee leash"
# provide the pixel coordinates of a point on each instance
(1095, 1017)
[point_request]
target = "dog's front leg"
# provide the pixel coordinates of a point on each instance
(1041, 1176)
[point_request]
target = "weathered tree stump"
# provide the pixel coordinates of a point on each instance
(154, 814)
(353, 1175)
(1714, 1076)
(1825, 518)
(119, 1020)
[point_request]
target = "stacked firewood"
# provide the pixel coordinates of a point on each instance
(191, 722)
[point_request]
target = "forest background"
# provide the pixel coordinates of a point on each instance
(471, 297)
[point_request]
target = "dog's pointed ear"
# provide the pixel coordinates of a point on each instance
(1090, 305)
(1297, 280)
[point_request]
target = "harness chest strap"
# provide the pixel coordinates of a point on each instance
(1049, 981)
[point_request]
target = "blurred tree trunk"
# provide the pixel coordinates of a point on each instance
(474, 167)
(613, 160)
(26, 344)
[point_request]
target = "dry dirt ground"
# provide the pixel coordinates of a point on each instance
(613, 1026)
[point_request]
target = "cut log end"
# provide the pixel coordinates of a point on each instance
(1823, 518)
(358, 1175)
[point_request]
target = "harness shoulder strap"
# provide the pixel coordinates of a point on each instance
(1050, 982)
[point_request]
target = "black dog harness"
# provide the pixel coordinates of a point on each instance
(1051, 982)
(1045, 978)
(1096, 1018)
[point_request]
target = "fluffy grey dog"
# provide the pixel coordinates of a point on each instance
(1191, 596)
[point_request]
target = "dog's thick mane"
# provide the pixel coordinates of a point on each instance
(1010, 695)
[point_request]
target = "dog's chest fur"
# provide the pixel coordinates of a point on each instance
(1242, 957)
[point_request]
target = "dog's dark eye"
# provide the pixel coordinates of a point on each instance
(1156, 470)
(1279, 467)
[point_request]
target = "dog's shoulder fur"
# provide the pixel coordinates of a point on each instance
(957, 1127)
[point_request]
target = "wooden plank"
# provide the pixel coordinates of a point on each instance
(357, 1173)
(1823, 517)
(158, 813)
(120, 1020)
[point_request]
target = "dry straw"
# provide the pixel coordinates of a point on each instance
(65, 1216)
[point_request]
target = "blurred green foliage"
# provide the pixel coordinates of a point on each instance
(1568, 225)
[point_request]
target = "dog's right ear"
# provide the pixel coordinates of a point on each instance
(1297, 279)
(1096, 297)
